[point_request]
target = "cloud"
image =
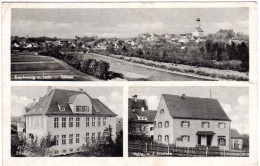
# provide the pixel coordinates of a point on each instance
(238, 112)
(18, 105)
(102, 98)
(152, 101)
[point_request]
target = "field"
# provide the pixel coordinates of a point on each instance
(31, 66)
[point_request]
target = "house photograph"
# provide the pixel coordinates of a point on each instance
(67, 121)
(181, 121)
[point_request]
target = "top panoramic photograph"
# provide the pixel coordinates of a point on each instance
(130, 44)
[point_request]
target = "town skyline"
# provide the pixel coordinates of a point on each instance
(124, 23)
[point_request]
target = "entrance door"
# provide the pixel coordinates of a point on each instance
(209, 138)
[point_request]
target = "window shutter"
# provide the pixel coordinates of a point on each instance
(188, 124)
(224, 125)
(202, 124)
(188, 138)
(209, 125)
(181, 123)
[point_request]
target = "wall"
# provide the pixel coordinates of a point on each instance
(82, 130)
(163, 118)
(195, 126)
(36, 130)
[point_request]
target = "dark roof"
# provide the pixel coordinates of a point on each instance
(48, 105)
(138, 104)
(199, 29)
(235, 134)
(194, 108)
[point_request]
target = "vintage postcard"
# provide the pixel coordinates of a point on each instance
(141, 83)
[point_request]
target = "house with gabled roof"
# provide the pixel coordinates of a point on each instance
(236, 141)
(191, 122)
(73, 117)
(141, 116)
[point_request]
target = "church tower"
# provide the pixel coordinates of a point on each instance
(198, 22)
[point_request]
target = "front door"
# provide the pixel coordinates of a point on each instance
(204, 140)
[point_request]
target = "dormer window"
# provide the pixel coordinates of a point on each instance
(162, 111)
(79, 109)
(62, 109)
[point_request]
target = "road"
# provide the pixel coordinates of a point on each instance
(134, 72)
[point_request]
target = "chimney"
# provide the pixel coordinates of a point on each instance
(142, 109)
(49, 88)
(183, 96)
(34, 99)
(40, 98)
(135, 97)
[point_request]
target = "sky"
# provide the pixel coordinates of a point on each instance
(234, 100)
(110, 96)
(123, 23)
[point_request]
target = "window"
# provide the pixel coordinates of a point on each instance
(87, 137)
(159, 138)
(56, 122)
(99, 135)
(77, 122)
(56, 138)
(93, 121)
(99, 121)
(70, 122)
(77, 138)
(221, 125)
(185, 138)
(154, 123)
(42, 122)
(162, 111)
(104, 121)
(205, 125)
(63, 139)
(166, 138)
(151, 128)
(167, 124)
(71, 139)
(78, 109)
(56, 152)
(87, 122)
(93, 136)
(64, 151)
(85, 109)
(71, 150)
(63, 124)
(160, 125)
(221, 140)
(185, 124)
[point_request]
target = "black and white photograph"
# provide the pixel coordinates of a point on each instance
(133, 44)
(66, 121)
(188, 121)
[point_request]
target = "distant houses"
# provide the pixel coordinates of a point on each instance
(236, 141)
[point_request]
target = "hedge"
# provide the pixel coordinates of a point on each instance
(100, 69)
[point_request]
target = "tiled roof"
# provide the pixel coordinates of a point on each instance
(48, 105)
(194, 108)
(138, 104)
(235, 134)
(132, 115)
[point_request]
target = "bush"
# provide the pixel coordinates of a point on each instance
(101, 69)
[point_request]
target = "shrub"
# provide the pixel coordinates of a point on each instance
(101, 69)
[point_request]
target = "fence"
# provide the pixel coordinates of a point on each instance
(148, 149)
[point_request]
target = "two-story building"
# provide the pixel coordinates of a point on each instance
(141, 117)
(72, 117)
(191, 121)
